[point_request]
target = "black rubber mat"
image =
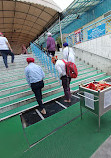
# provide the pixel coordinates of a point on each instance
(73, 100)
(31, 117)
(52, 108)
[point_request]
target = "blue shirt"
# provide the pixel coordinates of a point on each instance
(34, 73)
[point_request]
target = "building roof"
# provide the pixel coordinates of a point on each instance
(22, 21)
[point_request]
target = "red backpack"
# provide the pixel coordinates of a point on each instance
(71, 69)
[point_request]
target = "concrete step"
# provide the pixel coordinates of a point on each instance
(16, 80)
(12, 78)
(14, 72)
(82, 74)
(80, 68)
(21, 82)
(21, 87)
(17, 57)
(16, 76)
(31, 105)
(16, 96)
(24, 92)
(25, 100)
(17, 60)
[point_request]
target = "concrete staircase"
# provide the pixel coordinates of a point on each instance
(17, 97)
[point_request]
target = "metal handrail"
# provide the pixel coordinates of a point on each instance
(88, 97)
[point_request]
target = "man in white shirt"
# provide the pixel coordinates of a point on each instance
(34, 76)
(5, 49)
(68, 53)
(60, 66)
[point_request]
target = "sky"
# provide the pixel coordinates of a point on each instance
(63, 4)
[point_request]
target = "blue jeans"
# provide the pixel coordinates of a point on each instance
(4, 54)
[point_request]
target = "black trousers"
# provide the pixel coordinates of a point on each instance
(4, 54)
(66, 86)
(37, 89)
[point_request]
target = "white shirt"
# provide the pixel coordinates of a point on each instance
(3, 43)
(71, 56)
(60, 67)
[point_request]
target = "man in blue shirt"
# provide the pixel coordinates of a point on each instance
(34, 76)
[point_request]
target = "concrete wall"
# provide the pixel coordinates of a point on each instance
(96, 52)
(100, 46)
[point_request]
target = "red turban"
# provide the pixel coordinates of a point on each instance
(1, 33)
(29, 60)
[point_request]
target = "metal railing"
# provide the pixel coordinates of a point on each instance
(44, 59)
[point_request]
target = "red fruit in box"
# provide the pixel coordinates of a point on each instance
(92, 86)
